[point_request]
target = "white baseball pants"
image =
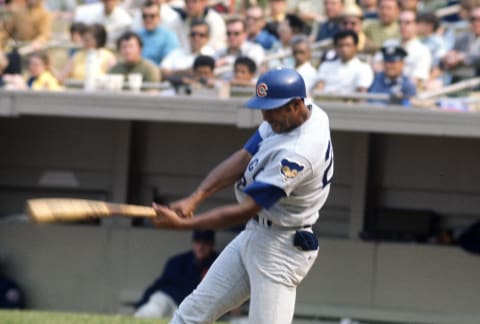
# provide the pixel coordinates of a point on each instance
(260, 263)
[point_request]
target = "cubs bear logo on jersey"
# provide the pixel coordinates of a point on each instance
(290, 169)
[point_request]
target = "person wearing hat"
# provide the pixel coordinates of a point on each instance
(392, 80)
(180, 276)
(282, 178)
(352, 19)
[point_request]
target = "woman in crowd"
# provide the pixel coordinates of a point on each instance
(93, 59)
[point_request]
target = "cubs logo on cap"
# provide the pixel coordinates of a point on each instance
(276, 88)
(262, 89)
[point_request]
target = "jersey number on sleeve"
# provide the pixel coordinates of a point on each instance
(327, 175)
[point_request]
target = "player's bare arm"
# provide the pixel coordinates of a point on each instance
(217, 218)
(223, 175)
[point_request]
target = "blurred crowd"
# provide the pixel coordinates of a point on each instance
(398, 48)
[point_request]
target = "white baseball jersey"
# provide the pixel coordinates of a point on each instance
(290, 173)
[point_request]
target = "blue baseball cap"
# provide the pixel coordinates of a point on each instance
(393, 53)
(276, 88)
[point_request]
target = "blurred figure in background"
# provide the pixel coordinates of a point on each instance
(346, 73)
(39, 70)
(11, 295)
(130, 47)
(333, 12)
(109, 13)
(386, 27)
(93, 59)
(182, 273)
(352, 18)
(3, 65)
(158, 41)
(203, 76)
(76, 31)
(277, 10)
(392, 81)
(369, 8)
(291, 26)
(244, 71)
(31, 23)
(257, 33)
(302, 54)
(180, 61)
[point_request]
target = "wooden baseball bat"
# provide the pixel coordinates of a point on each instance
(47, 210)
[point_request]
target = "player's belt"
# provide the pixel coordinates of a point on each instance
(268, 223)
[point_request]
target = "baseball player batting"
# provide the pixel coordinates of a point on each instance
(282, 179)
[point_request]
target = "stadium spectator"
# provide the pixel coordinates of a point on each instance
(333, 12)
(181, 274)
(386, 27)
(108, 13)
(158, 41)
(346, 73)
(31, 23)
(93, 59)
(277, 10)
(198, 9)
(169, 17)
(302, 54)
(39, 70)
(238, 45)
(392, 81)
(76, 31)
(427, 26)
(61, 9)
(180, 60)
(130, 47)
(203, 75)
(352, 18)
(257, 33)
(244, 70)
(369, 8)
(411, 5)
(292, 25)
(466, 50)
(418, 62)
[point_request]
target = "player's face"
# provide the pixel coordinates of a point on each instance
(281, 119)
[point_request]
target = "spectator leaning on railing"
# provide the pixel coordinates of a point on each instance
(392, 80)
(31, 23)
(466, 50)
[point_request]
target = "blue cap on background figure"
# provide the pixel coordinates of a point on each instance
(276, 88)
(393, 53)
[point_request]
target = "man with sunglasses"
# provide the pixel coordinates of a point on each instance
(238, 45)
(180, 61)
(256, 30)
(158, 41)
(282, 179)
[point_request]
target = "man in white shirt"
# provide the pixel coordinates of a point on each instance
(238, 45)
(108, 13)
(346, 73)
(180, 61)
(302, 54)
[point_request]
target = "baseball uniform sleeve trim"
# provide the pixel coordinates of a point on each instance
(252, 144)
(264, 194)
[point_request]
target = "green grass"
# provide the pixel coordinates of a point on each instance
(39, 317)
(43, 317)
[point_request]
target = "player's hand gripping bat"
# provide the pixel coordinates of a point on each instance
(46, 210)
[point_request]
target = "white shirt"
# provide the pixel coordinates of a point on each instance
(118, 22)
(345, 77)
(179, 59)
(418, 62)
(308, 73)
(249, 49)
(299, 162)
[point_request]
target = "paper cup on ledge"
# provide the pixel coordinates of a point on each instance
(135, 81)
(114, 82)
